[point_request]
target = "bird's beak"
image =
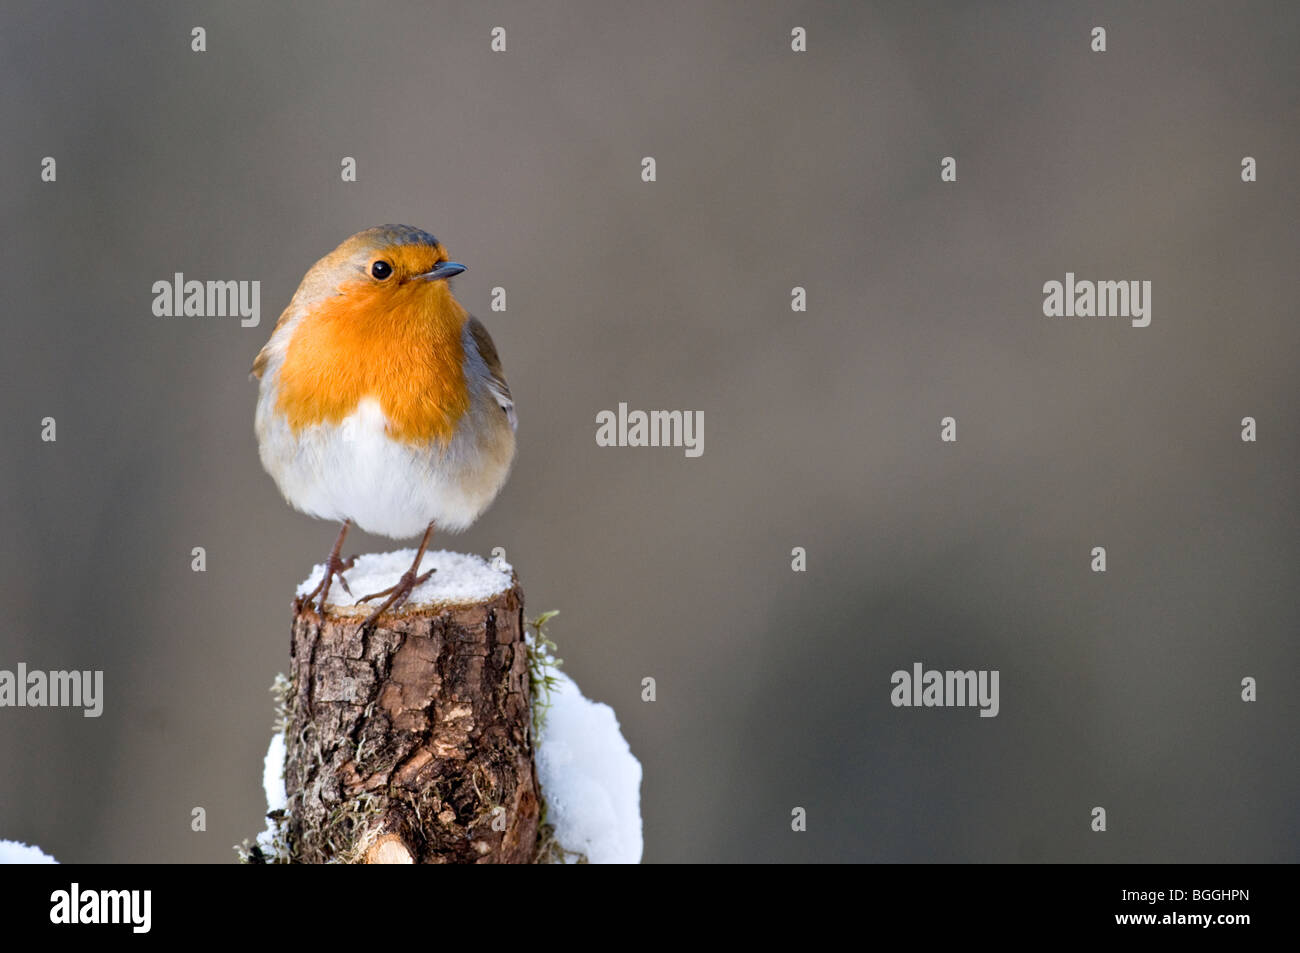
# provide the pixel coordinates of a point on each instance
(445, 269)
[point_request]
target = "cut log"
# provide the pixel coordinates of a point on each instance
(412, 743)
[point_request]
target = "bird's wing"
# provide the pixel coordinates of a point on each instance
(264, 355)
(260, 362)
(497, 380)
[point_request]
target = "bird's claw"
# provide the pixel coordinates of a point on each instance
(334, 569)
(397, 594)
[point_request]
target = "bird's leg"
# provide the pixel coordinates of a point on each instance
(334, 566)
(401, 591)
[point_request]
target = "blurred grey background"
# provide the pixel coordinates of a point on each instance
(775, 169)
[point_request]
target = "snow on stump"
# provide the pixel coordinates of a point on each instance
(411, 742)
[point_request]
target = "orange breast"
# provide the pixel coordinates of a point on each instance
(401, 346)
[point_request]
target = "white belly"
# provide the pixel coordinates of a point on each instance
(353, 470)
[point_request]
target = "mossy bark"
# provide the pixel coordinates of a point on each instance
(412, 743)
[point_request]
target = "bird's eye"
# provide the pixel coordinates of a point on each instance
(381, 269)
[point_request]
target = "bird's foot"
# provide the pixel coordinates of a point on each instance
(397, 594)
(334, 569)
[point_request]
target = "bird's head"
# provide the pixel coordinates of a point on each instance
(385, 268)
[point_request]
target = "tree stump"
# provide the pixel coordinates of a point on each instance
(412, 743)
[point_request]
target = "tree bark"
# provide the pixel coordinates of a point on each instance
(412, 743)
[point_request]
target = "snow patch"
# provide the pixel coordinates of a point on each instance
(273, 775)
(590, 779)
(15, 852)
(460, 578)
(272, 839)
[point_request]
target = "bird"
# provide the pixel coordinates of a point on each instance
(382, 402)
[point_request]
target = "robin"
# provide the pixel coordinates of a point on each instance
(382, 401)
